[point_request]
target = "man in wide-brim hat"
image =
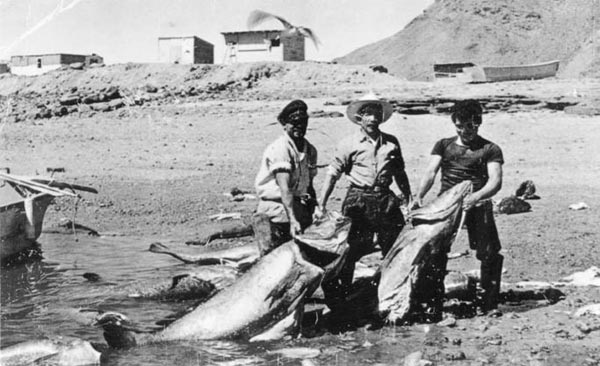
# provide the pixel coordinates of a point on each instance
(371, 160)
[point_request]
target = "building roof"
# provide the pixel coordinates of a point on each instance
(177, 37)
(56, 54)
(254, 31)
(185, 37)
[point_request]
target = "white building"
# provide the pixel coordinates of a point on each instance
(39, 64)
(263, 45)
(185, 50)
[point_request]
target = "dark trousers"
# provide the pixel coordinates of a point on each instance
(483, 238)
(270, 235)
(372, 214)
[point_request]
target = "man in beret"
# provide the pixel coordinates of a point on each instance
(468, 156)
(284, 182)
(371, 160)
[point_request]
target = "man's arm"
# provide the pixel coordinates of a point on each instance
(328, 186)
(402, 181)
(493, 185)
(283, 181)
(428, 178)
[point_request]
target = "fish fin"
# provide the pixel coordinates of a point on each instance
(178, 279)
(41, 360)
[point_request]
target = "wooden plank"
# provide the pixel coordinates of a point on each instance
(64, 185)
(40, 187)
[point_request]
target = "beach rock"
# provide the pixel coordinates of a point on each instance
(69, 99)
(513, 205)
(150, 88)
(116, 104)
(112, 93)
(93, 98)
(101, 107)
(379, 68)
(526, 191)
(60, 111)
(324, 114)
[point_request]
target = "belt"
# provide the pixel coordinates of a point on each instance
(374, 189)
(302, 198)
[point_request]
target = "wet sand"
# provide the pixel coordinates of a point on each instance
(162, 171)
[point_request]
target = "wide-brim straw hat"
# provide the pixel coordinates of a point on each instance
(370, 98)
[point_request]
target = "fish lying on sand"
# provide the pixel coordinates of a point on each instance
(238, 256)
(433, 228)
(269, 292)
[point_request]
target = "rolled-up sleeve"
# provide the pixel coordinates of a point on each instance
(278, 159)
(341, 160)
(312, 161)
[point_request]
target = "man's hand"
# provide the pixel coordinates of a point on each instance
(295, 228)
(415, 204)
(469, 202)
(319, 213)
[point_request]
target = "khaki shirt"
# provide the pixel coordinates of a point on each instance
(362, 160)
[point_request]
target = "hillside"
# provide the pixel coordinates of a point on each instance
(492, 32)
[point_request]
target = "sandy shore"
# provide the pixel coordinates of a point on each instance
(161, 171)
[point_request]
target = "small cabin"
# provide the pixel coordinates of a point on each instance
(185, 50)
(263, 45)
(39, 64)
(452, 70)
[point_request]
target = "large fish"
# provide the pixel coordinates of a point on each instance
(269, 292)
(239, 256)
(200, 284)
(433, 228)
(55, 352)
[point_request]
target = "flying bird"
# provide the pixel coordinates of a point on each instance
(259, 16)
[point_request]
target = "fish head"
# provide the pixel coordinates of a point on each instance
(118, 329)
(111, 318)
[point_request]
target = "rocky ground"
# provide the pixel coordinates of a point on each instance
(164, 159)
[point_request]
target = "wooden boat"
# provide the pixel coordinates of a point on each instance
(23, 204)
(505, 73)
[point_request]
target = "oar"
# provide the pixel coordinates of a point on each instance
(36, 186)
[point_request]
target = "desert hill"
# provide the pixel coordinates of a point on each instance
(492, 32)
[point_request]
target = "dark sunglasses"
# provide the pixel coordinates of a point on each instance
(297, 120)
(467, 126)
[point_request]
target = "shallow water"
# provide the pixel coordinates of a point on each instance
(45, 299)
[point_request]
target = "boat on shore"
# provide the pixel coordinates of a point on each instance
(23, 204)
(467, 72)
(516, 72)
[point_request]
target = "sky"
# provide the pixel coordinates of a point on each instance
(128, 30)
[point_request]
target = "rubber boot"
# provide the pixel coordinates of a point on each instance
(491, 275)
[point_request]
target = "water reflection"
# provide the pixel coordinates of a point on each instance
(44, 298)
(22, 281)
